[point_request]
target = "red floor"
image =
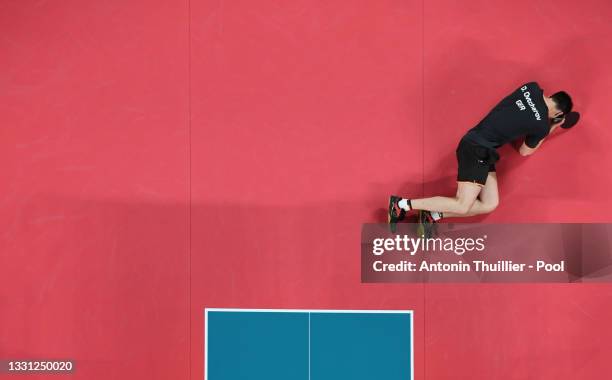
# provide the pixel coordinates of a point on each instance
(162, 157)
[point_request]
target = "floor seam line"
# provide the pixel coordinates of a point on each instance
(189, 195)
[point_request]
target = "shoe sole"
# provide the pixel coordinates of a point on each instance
(389, 205)
(392, 224)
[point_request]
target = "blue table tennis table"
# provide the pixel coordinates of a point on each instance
(308, 344)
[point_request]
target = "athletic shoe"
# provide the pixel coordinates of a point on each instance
(426, 222)
(395, 212)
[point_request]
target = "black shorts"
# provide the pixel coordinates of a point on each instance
(475, 162)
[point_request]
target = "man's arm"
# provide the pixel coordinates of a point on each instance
(525, 150)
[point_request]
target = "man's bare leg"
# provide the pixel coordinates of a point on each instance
(461, 204)
(487, 201)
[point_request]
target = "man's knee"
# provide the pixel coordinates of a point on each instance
(490, 206)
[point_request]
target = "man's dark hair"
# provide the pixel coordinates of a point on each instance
(563, 101)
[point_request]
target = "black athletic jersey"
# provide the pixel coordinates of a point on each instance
(522, 113)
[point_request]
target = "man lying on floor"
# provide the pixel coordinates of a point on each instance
(526, 113)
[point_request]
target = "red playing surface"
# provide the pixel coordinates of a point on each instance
(161, 157)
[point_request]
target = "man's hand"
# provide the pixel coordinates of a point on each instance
(554, 126)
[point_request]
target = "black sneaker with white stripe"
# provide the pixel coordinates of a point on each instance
(395, 212)
(426, 224)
